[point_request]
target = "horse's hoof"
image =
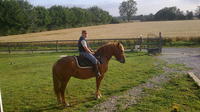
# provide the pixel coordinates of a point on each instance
(67, 105)
(98, 97)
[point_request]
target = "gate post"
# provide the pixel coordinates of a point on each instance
(160, 42)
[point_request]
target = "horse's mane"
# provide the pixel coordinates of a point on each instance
(104, 48)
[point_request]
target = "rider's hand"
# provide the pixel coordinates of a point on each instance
(92, 52)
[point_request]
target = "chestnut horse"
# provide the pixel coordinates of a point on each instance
(66, 67)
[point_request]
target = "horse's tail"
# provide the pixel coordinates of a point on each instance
(56, 82)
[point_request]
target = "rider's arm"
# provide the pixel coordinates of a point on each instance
(84, 44)
(88, 50)
(91, 49)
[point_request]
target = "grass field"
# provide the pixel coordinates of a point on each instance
(172, 29)
(180, 94)
(26, 81)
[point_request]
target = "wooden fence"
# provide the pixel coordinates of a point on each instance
(71, 45)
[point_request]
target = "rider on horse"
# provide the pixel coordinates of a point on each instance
(86, 52)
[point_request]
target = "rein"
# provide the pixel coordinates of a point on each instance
(103, 51)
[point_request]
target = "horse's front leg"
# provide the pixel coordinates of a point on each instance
(98, 82)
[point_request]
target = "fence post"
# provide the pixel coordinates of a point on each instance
(147, 41)
(56, 45)
(141, 43)
(160, 42)
(132, 46)
(32, 47)
(9, 50)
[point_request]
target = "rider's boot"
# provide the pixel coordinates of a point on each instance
(96, 70)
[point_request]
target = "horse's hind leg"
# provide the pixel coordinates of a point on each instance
(62, 90)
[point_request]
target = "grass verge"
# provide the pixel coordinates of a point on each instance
(182, 43)
(180, 94)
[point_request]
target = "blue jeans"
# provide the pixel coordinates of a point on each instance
(90, 57)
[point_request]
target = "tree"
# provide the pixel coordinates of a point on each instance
(189, 14)
(57, 17)
(18, 16)
(169, 13)
(179, 14)
(99, 16)
(70, 18)
(127, 9)
(198, 12)
(115, 20)
(15, 16)
(80, 14)
(41, 16)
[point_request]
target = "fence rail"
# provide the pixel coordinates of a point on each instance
(69, 45)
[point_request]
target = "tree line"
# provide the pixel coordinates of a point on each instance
(170, 13)
(128, 9)
(19, 16)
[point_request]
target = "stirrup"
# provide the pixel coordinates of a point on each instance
(98, 74)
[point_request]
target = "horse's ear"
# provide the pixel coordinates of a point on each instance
(118, 43)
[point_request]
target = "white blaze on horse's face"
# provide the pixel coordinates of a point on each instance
(120, 53)
(122, 47)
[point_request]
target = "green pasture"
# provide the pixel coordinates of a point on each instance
(180, 94)
(26, 81)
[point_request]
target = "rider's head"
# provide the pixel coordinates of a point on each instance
(84, 33)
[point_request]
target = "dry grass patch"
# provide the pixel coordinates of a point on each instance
(189, 28)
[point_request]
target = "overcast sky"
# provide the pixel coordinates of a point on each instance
(144, 6)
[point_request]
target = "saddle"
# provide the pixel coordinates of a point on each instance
(83, 62)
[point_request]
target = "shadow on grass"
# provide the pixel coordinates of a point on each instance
(74, 103)
(46, 108)
(56, 107)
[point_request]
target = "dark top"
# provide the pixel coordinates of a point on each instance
(80, 46)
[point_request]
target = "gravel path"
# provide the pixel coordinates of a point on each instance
(188, 56)
(130, 97)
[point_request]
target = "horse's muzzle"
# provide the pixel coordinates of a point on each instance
(122, 61)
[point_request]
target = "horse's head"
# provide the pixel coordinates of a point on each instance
(119, 52)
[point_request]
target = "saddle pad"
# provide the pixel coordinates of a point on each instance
(83, 62)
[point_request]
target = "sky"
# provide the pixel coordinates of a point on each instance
(144, 6)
